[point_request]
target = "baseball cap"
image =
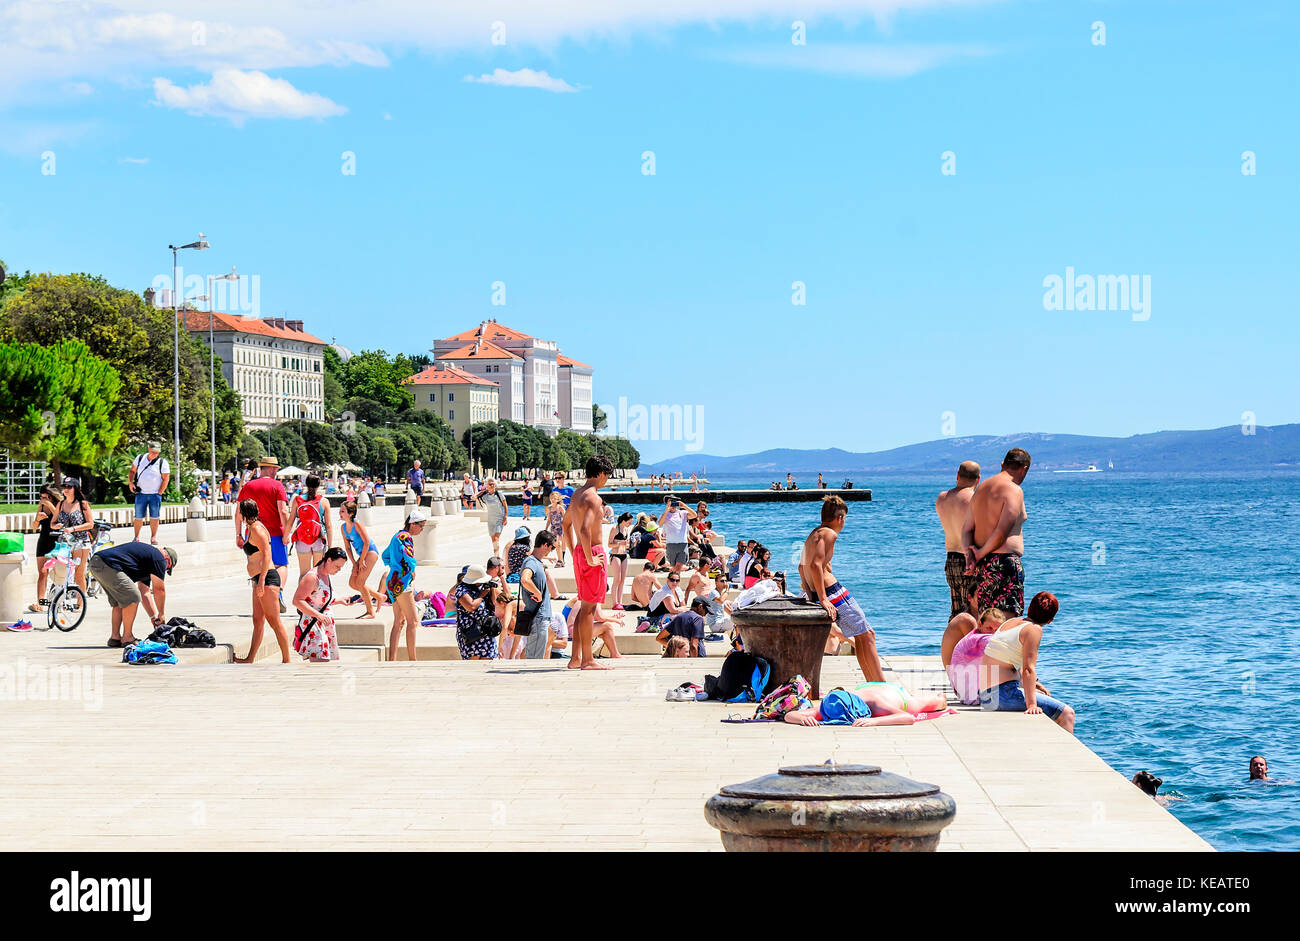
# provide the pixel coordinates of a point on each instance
(171, 557)
(417, 516)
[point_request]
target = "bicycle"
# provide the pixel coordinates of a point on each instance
(65, 604)
(102, 541)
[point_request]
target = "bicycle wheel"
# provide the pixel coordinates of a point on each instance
(68, 610)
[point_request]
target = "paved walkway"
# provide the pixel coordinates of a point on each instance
(450, 755)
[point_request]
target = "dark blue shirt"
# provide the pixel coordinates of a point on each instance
(138, 561)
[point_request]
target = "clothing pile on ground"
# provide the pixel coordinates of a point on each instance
(181, 632)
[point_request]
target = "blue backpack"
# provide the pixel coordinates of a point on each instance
(148, 651)
(743, 678)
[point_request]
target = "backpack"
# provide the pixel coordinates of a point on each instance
(308, 530)
(788, 697)
(743, 678)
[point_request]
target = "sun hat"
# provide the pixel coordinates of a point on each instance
(268, 460)
(417, 516)
(171, 556)
(475, 575)
(522, 533)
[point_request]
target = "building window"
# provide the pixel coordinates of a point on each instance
(451, 415)
(433, 397)
(451, 396)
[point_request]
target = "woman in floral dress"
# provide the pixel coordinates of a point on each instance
(315, 638)
(555, 523)
(473, 590)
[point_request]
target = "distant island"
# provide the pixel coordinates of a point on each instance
(1217, 449)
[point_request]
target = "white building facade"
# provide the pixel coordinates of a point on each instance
(538, 386)
(277, 368)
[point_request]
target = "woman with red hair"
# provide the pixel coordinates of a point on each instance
(1008, 669)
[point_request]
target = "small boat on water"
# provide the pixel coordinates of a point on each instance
(1090, 469)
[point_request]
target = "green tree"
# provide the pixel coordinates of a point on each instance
(58, 403)
(372, 375)
(135, 339)
(323, 446)
(287, 445)
(382, 452)
(598, 419)
(250, 447)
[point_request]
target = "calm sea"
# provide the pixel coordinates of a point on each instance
(1179, 631)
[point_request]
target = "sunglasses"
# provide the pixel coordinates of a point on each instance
(674, 580)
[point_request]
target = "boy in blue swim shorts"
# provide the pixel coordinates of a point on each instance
(821, 586)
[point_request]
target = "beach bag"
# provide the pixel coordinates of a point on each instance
(308, 530)
(11, 542)
(759, 592)
(788, 697)
(148, 651)
(743, 678)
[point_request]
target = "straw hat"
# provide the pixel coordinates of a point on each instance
(268, 461)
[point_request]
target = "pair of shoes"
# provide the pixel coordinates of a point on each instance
(680, 695)
(21, 626)
(618, 607)
(114, 642)
(153, 542)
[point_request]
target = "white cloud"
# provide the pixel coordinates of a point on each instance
(47, 43)
(237, 95)
(523, 78)
(861, 60)
(139, 160)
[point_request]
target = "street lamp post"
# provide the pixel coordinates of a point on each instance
(212, 381)
(386, 424)
(198, 245)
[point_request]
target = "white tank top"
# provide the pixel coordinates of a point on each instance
(1006, 646)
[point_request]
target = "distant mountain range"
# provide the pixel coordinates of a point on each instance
(1218, 449)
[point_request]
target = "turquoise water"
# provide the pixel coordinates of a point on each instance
(1179, 627)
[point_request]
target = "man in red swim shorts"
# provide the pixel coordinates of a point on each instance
(582, 534)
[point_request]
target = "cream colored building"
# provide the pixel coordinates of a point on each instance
(274, 364)
(459, 397)
(539, 386)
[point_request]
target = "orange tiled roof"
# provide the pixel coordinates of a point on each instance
(486, 350)
(569, 361)
(197, 322)
(488, 330)
(447, 375)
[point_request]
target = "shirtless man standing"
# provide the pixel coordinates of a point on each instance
(820, 585)
(582, 521)
(991, 538)
(952, 507)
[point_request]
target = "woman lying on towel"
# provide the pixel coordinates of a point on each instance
(872, 704)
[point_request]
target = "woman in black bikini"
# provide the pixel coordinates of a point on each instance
(618, 549)
(266, 583)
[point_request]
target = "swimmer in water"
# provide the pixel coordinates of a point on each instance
(1258, 768)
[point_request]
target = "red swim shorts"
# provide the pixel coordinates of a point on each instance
(591, 581)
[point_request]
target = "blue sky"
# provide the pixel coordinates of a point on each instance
(774, 163)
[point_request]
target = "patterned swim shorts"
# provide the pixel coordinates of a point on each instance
(960, 585)
(1000, 581)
